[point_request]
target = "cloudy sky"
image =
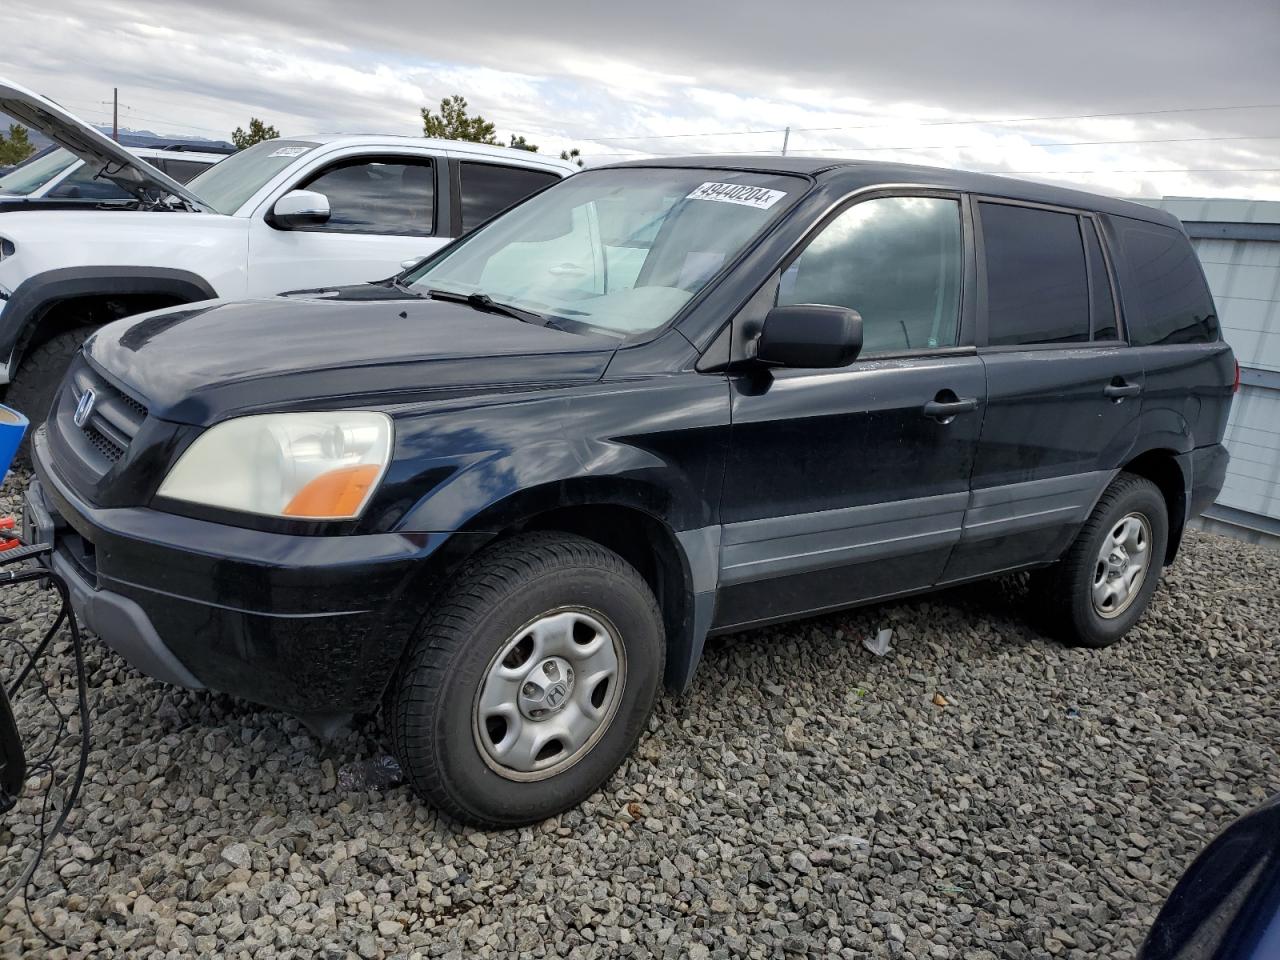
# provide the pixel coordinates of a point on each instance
(1143, 97)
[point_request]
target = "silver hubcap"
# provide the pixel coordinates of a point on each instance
(549, 694)
(1122, 566)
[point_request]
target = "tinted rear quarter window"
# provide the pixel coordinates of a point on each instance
(1037, 291)
(1166, 299)
(489, 188)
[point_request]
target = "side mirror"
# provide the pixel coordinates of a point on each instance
(300, 208)
(810, 335)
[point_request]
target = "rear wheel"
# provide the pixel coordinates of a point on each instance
(529, 683)
(1101, 587)
(40, 375)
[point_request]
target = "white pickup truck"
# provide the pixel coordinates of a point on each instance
(309, 211)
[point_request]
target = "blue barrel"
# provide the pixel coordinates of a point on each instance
(12, 426)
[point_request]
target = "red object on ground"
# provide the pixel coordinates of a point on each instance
(8, 523)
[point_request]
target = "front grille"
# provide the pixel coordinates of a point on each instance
(103, 444)
(113, 421)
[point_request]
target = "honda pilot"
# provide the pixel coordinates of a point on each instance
(506, 496)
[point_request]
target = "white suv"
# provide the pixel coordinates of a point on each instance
(313, 211)
(58, 174)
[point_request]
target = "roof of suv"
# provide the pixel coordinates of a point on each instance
(855, 174)
(497, 152)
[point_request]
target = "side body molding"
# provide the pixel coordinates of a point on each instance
(776, 546)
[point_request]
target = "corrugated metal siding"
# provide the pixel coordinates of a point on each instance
(1245, 278)
(1253, 437)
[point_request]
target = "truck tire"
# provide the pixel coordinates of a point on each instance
(1102, 585)
(529, 682)
(39, 376)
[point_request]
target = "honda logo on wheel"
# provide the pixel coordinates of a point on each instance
(84, 407)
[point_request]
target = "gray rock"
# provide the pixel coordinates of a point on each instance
(804, 799)
(237, 854)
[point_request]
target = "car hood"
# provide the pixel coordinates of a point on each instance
(222, 358)
(118, 165)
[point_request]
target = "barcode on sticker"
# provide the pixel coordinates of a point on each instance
(758, 197)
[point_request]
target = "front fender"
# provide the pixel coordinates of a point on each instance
(39, 292)
(656, 446)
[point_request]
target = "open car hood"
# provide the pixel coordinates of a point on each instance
(117, 164)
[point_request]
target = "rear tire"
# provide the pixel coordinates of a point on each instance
(1102, 585)
(40, 376)
(543, 633)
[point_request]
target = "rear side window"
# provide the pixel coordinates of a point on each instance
(489, 188)
(184, 170)
(1165, 296)
(1037, 289)
(897, 261)
(393, 196)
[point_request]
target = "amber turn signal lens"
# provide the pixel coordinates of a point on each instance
(338, 493)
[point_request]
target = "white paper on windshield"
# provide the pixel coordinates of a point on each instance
(289, 152)
(758, 197)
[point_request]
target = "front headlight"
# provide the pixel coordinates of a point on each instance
(313, 466)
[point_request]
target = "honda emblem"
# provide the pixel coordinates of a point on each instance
(84, 407)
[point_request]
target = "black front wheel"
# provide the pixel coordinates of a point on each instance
(529, 683)
(1101, 587)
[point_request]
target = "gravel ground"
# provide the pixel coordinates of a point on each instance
(979, 792)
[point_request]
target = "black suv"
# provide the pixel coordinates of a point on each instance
(508, 493)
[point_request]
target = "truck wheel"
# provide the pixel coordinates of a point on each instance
(529, 682)
(38, 378)
(1099, 589)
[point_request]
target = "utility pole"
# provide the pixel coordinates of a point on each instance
(786, 135)
(115, 116)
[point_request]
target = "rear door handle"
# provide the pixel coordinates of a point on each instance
(944, 410)
(1118, 391)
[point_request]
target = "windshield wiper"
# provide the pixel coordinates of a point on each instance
(482, 301)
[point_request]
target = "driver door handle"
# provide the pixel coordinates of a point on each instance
(1118, 391)
(943, 410)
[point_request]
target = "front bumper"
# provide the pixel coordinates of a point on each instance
(311, 625)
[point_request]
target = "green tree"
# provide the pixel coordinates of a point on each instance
(574, 155)
(520, 143)
(16, 147)
(258, 131)
(453, 123)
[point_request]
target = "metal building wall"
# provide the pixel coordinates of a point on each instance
(1238, 242)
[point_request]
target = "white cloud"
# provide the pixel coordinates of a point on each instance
(186, 69)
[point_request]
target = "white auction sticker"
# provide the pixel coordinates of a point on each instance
(758, 197)
(289, 152)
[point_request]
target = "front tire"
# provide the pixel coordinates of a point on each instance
(39, 377)
(1101, 587)
(529, 682)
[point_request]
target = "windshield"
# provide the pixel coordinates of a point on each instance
(227, 185)
(618, 250)
(29, 176)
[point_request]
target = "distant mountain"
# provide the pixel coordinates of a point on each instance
(145, 138)
(130, 138)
